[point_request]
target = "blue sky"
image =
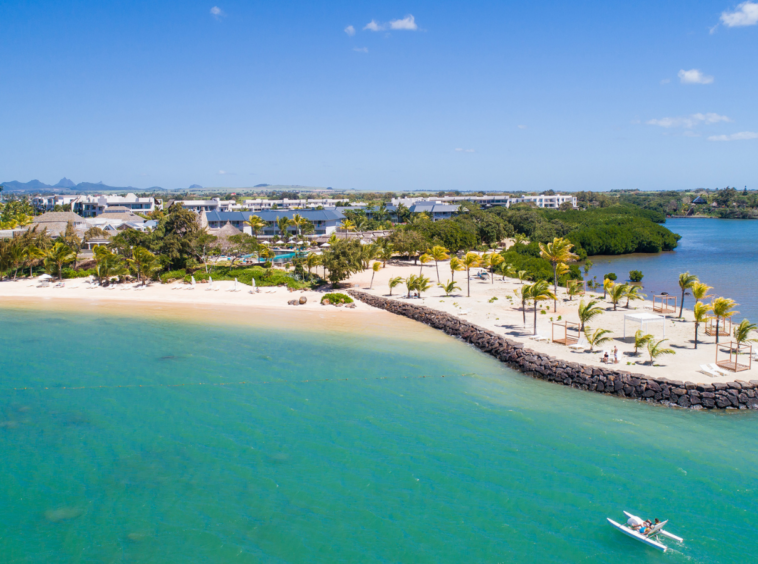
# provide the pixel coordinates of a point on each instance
(436, 95)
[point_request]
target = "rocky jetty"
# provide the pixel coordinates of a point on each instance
(731, 395)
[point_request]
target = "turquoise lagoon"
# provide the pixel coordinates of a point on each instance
(350, 439)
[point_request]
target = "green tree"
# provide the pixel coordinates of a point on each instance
(587, 312)
(255, 224)
(686, 281)
(617, 292)
(375, 268)
(656, 349)
(312, 260)
(58, 256)
(633, 294)
(143, 263)
(470, 260)
(108, 264)
(640, 340)
(394, 282)
(597, 337)
(455, 265)
(722, 308)
(342, 260)
(449, 287)
(283, 223)
(701, 316)
(700, 291)
(496, 260)
(539, 291)
(559, 251)
(439, 253)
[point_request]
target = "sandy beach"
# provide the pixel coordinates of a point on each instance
(489, 307)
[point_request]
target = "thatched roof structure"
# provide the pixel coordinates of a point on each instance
(223, 234)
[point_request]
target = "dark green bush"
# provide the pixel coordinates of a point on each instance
(610, 276)
(71, 273)
(635, 276)
(167, 277)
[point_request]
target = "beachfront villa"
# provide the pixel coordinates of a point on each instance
(325, 222)
(212, 205)
(47, 203)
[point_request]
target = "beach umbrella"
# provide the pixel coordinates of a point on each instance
(193, 280)
(265, 243)
(235, 284)
(45, 277)
(325, 245)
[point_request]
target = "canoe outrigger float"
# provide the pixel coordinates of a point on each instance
(650, 538)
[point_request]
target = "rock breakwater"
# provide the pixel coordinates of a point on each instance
(730, 395)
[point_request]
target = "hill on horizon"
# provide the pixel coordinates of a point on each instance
(66, 185)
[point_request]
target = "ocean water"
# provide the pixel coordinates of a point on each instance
(723, 253)
(152, 439)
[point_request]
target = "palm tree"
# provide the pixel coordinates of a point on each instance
(410, 283)
(59, 255)
(524, 293)
(617, 293)
(701, 316)
(686, 280)
(722, 309)
(423, 259)
(522, 275)
(539, 292)
(298, 221)
(449, 287)
(312, 260)
(439, 253)
(255, 223)
(375, 267)
(386, 251)
(455, 264)
(640, 340)
(633, 294)
(368, 253)
(588, 311)
(143, 262)
(496, 259)
(422, 285)
(597, 338)
(31, 255)
(14, 255)
(573, 289)
(742, 334)
(588, 264)
(470, 260)
(656, 349)
(556, 252)
(518, 239)
(700, 291)
(283, 224)
(504, 269)
(394, 282)
(348, 225)
(485, 261)
(607, 284)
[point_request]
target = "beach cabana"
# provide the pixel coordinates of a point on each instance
(644, 319)
(568, 332)
(725, 327)
(662, 303)
(737, 352)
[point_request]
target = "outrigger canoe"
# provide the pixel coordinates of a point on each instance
(649, 539)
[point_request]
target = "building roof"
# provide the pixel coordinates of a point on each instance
(116, 209)
(57, 217)
(228, 230)
(273, 215)
(433, 208)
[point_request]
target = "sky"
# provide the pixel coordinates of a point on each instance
(411, 95)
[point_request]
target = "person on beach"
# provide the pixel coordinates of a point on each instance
(615, 355)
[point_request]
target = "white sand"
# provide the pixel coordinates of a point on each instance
(505, 317)
(502, 316)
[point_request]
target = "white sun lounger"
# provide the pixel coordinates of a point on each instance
(580, 346)
(539, 337)
(718, 370)
(191, 285)
(705, 369)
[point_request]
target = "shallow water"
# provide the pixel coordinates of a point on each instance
(722, 252)
(338, 445)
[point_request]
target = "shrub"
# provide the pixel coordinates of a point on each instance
(337, 298)
(635, 276)
(71, 273)
(610, 276)
(167, 277)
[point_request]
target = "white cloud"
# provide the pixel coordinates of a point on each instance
(521, 126)
(350, 30)
(694, 76)
(688, 121)
(217, 12)
(742, 136)
(360, 49)
(745, 14)
(464, 150)
(407, 23)
(665, 81)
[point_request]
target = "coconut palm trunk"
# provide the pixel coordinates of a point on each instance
(437, 266)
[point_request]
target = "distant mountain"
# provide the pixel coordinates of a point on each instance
(67, 185)
(261, 185)
(195, 186)
(64, 183)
